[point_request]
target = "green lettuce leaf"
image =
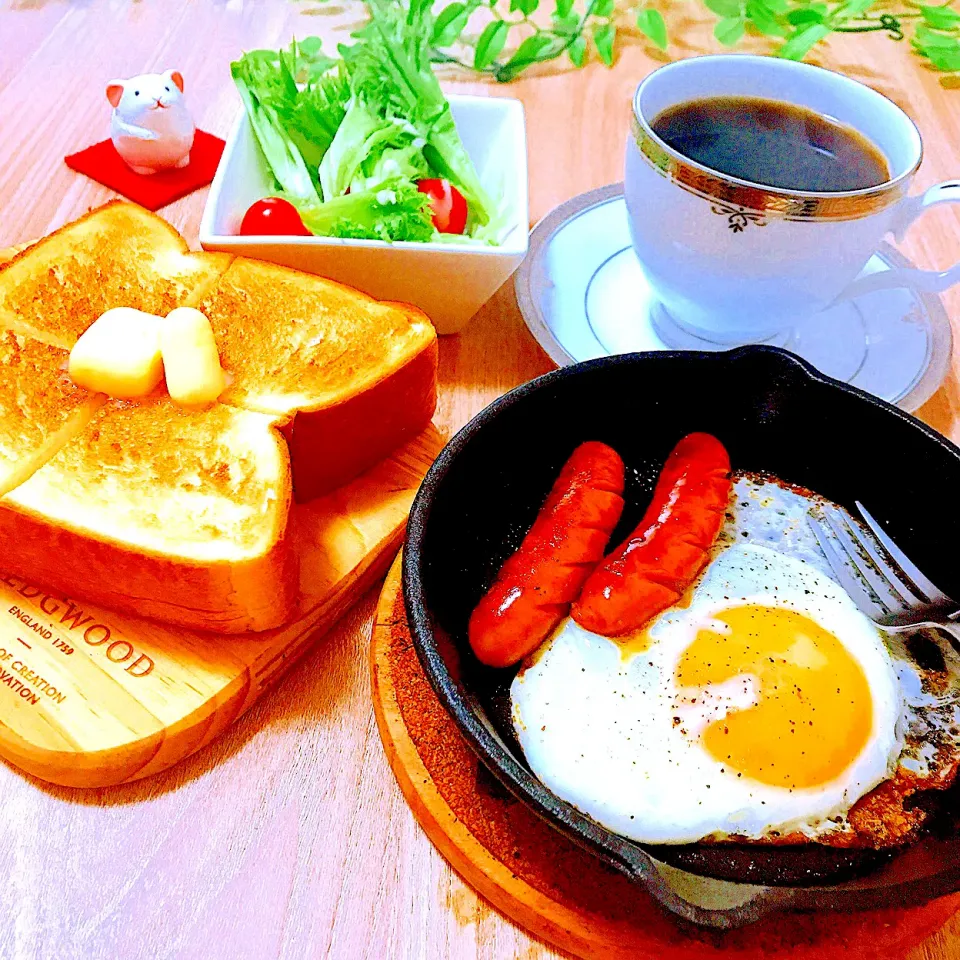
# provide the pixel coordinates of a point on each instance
(389, 162)
(395, 210)
(390, 72)
(361, 133)
(269, 91)
(314, 115)
(347, 140)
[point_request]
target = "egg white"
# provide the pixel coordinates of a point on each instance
(599, 729)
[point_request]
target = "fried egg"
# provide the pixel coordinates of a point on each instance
(764, 704)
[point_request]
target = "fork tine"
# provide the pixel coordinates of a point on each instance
(851, 584)
(882, 590)
(883, 567)
(906, 564)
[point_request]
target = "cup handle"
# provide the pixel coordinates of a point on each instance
(924, 281)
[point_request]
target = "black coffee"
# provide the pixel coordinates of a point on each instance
(772, 143)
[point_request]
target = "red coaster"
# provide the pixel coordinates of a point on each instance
(102, 163)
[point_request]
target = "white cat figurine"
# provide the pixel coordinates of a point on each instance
(151, 126)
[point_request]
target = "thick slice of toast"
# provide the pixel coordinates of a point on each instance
(354, 378)
(40, 407)
(164, 513)
(120, 255)
(182, 516)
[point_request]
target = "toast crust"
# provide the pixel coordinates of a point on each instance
(255, 595)
(333, 446)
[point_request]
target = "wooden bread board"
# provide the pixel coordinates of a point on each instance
(92, 698)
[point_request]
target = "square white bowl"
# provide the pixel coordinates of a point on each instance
(448, 282)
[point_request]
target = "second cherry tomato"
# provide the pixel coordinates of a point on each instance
(449, 207)
(273, 217)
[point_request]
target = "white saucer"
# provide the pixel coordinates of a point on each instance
(583, 294)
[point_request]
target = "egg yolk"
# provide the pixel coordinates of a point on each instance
(813, 712)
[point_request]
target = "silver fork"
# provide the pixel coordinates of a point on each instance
(900, 597)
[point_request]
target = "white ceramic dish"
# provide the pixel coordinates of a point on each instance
(448, 282)
(583, 294)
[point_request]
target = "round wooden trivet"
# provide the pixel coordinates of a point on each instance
(547, 884)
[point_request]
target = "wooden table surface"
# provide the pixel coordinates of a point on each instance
(288, 837)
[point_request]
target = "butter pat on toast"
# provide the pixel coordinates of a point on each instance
(184, 512)
(119, 354)
(191, 360)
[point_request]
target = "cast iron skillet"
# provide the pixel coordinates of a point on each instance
(774, 413)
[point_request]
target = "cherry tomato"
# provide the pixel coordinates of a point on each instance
(449, 207)
(273, 217)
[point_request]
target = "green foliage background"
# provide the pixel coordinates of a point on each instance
(513, 39)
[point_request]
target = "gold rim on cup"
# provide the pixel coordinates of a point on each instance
(744, 202)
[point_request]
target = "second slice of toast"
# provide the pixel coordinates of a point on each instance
(175, 515)
(353, 378)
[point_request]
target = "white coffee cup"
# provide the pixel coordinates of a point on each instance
(732, 261)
